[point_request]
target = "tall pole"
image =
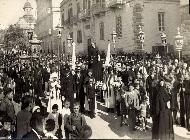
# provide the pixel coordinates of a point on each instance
(179, 55)
(179, 42)
(141, 38)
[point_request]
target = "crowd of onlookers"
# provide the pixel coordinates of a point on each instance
(135, 87)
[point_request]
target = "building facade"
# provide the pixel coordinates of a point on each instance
(185, 25)
(95, 20)
(27, 22)
(48, 17)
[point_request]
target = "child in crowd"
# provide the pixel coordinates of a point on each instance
(143, 108)
(65, 114)
(75, 123)
(5, 129)
(132, 102)
(55, 115)
(49, 127)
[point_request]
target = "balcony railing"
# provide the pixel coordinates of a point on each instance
(115, 3)
(98, 9)
(84, 14)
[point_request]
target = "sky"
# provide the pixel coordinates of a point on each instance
(11, 10)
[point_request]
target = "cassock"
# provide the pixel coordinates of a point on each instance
(187, 103)
(90, 92)
(165, 125)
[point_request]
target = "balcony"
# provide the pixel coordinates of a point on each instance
(98, 9)
(84, 14)
(115, 3)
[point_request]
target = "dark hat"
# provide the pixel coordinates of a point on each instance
(55, 106)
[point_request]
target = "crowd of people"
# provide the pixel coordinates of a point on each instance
(44, 98)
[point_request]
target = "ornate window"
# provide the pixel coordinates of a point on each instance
(161, 25)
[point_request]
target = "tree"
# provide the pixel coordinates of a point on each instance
(15, 36)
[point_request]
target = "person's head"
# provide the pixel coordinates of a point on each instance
(66, 104)
(162, 83)
(8, 92)
(36, 122)
(7, 126)
(86, 132)
(138, 75)
(123, 94)
(73, 72)
(27, 103)
(36, 109)
(131, 87)
(91, 81)
(137, 85)
(6, 122)
(76, 108)
(90, 72)
(54, 108)
(50, 125)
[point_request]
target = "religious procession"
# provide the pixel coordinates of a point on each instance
(68, 79)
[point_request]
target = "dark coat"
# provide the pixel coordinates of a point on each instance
(73, 120)
(8, 108)
(30, 135)
(69, 86)
(79, 85)
(90, 92)
(165, 126)
(23, 123)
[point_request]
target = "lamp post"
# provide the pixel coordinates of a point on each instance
(141, 38)
(179, 42)
(158, 57)
(114, 35)
(164, 43)
(69, 43)
(49, 43)
(59, 27)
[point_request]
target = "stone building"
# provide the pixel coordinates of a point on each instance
(27, 22)
(185, 24)
(48, 17)
(95, 20)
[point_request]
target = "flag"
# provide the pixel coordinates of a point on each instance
(107, 62)
(73, 56)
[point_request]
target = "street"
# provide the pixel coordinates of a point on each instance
(107, 126)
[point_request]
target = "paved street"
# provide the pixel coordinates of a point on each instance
(107, 126)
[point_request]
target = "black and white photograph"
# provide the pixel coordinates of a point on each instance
(95, 69)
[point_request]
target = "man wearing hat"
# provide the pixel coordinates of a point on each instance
(86, 83)
(79, 83)
(69, 87)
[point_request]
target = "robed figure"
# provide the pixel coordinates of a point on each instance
(165, 125)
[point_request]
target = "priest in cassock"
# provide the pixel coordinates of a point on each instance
(165, 125)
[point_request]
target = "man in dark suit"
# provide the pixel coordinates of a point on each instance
(36, 124)
(69, 87)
